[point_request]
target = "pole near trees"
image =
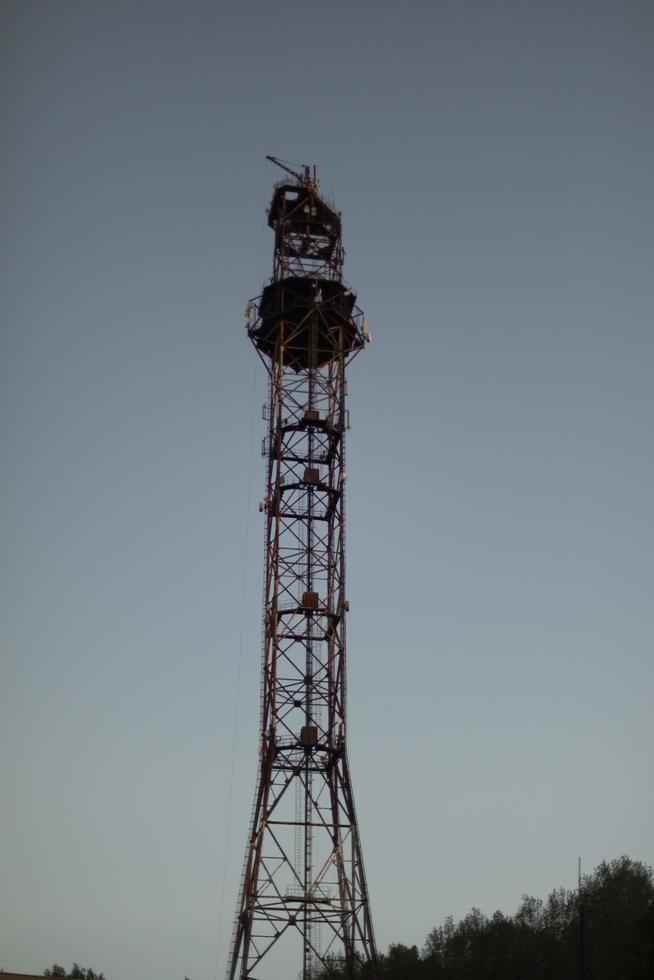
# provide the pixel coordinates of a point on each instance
(580, 903)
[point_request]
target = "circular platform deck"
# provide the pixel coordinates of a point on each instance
(307, 321)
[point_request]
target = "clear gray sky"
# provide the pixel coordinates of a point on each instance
(493, 162)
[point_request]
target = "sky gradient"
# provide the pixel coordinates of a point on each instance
(493, 165)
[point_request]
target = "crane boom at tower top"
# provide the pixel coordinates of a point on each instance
(306, 177)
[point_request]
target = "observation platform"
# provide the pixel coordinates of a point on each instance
(311, 320)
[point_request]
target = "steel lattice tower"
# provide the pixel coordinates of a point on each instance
(303, 879)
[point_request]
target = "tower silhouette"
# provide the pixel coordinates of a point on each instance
(303, 881)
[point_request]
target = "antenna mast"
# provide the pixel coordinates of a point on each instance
(303, 881)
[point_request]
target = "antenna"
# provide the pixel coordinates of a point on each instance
(303, 884)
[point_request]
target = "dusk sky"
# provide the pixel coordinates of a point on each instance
(493, 163)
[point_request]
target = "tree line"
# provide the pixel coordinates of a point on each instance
(602, 931)
(77, 972)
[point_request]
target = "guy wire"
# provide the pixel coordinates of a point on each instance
(230, 792)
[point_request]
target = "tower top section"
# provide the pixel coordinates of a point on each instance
(306, 316)
(307, 228)
(299, 209)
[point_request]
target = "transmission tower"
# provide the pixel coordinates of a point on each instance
(303, 880)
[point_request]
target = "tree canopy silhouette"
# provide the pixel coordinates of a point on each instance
(542, 940)
(77, 972)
